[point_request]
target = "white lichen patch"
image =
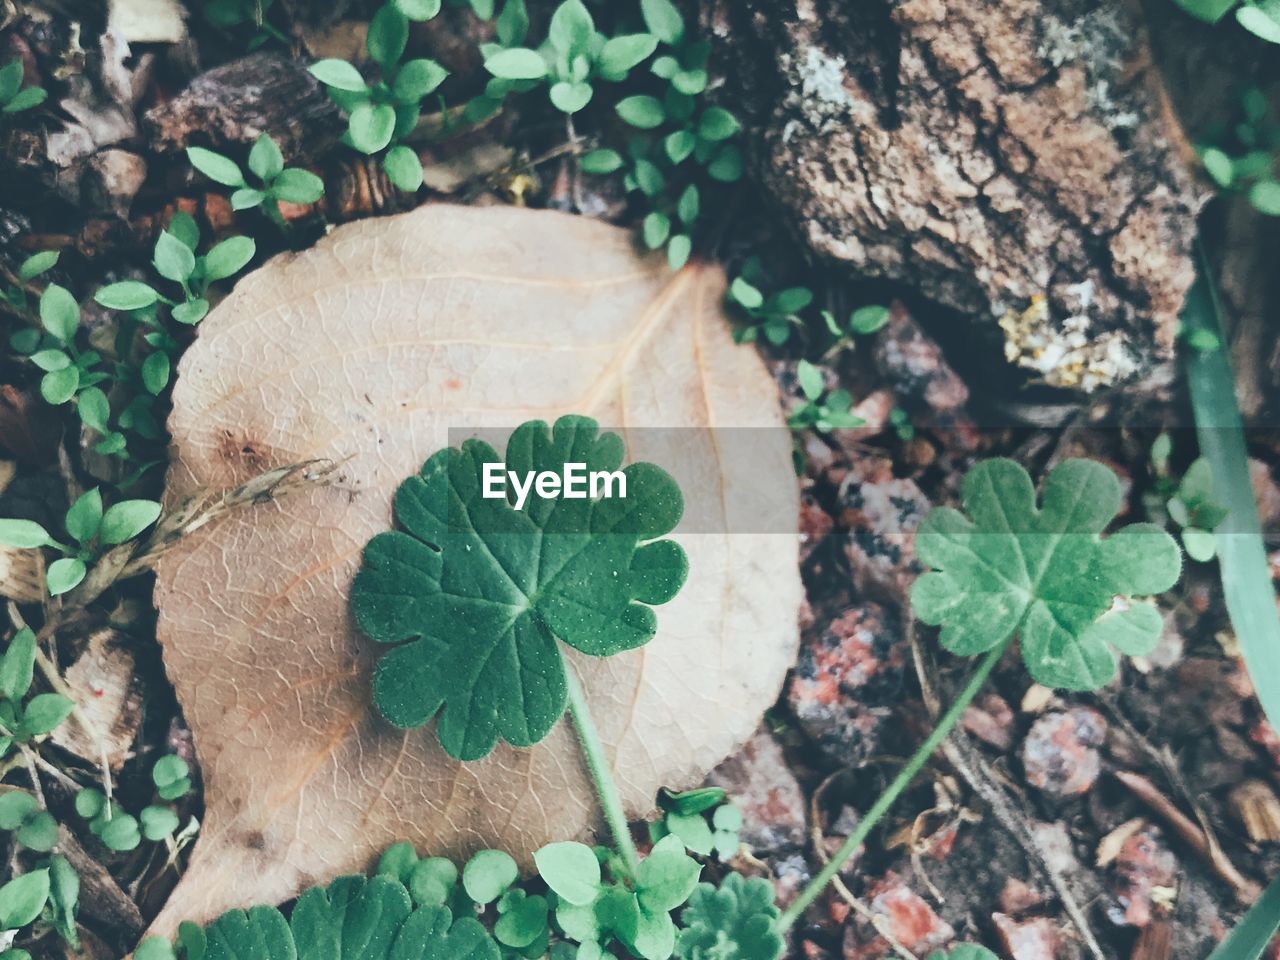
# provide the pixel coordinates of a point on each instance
(1064, 355)
(818, 91)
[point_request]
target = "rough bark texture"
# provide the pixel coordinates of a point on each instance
(238, 101)
(988, 152)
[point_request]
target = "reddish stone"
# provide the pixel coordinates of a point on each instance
(881, 513)
(909, 920)
(1018, 896)
(1035, 939)
(815, 525)
(991, 721)
(1143, 864)
(765, 791)
(846, 680)
(1060, 756)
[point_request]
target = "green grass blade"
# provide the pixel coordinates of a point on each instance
(1251, 935)
(1242, 556)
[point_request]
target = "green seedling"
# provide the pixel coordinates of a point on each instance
(23, 720)
(239, 14)
(16, 296)
(705, 820)
(1242, 157)
(22, 899)
(771, 315)
(14, 97)
(91, 531)
(1189, 502)
(822, 410)
(381, 115)
(573, 58)
(33, 827)
(275, 181)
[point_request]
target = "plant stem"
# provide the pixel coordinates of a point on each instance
(598, 766)
(948, 721)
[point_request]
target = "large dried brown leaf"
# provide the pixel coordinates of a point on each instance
(371, 346)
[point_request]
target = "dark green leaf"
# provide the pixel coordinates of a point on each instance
(39, 832)
(155, 372)
(50, 360)
(59, 386)
(95, 411)
(620, 54)
(513, 23)
(484, 590)
(716, 123)
(570, 29)
(655, 229)
(868, 319)
(601, 161)
(37, 263)
(678, 249)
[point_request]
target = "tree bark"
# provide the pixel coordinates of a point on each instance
(1011, 159)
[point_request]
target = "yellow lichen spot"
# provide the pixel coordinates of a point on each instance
(1063, 354)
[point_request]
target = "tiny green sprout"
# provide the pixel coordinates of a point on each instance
(33, 827)
(237, 14)
(91, 530)
(21, 720)
(900, 420)
(64, 900)
(1241, 158)
(69, 372)
(736, 921)
(23, 898)
(119, 831)
(862, 322)
(705, 820)
(14, 97)
(823, 411)
(381, 115)
(573, 56)
(171, 775)
(1044, 573)
(1195, 511)
(772, 315)
(26, 340)
(275, 181)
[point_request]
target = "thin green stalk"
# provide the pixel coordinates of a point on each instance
(813, 889)
(1242, 555)
(1250, 936)
(598, 767)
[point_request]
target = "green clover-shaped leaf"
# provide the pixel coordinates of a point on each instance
(481, 591)
(1045, 573)
(738, 921)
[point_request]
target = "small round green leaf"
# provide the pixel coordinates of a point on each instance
(22, 899)
(571, 870)
(601, 161)
(59, 386)
(43, 712)
(416, 79)
(157, 822)
(39, 832)
(227, 258)
(85, 515)
(418, 10)
(370, 127)
(265, 159)
(642, 112)
(488, 874)
(125, 520)
(403, 168)
(518, 63)
(297, 186)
